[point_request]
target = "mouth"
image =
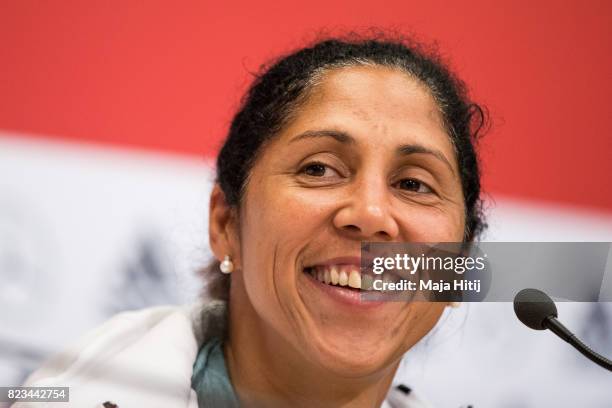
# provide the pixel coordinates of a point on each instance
(348, 277)
(347, 284)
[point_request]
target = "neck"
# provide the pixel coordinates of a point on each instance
(266, 371)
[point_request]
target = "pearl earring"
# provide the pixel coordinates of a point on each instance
(227, 266)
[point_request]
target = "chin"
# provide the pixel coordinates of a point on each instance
(356, 359)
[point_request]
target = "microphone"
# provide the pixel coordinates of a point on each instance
(538, 311)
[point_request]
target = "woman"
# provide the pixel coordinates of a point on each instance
(338, 143)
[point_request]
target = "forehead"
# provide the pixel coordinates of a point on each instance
(375, 86)
(375, 102)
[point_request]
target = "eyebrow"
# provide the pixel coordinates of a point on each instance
(415, 148)
(345, 138)
(338, 135)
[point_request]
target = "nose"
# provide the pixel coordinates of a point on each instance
(366, 213)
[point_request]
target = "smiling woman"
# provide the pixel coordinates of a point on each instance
(339, 143)
(342, 142)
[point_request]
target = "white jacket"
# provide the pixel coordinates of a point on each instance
(145, 358)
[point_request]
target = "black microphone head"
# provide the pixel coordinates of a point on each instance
(532, 307)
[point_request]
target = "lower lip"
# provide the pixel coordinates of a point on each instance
(347, 297)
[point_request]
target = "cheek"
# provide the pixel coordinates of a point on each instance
(425, 317)
(429, 224)
(281, 214)
(278, 223)
(294, 214)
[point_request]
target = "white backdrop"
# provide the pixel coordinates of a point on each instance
(88, 231)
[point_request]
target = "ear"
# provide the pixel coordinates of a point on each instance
(223, 227)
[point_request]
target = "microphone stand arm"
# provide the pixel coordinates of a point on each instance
(560, 330)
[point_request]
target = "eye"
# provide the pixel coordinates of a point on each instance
(415, 186)
(317, 169)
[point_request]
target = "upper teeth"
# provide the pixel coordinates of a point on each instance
(341, 275)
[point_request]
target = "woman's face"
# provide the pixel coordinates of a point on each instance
(366, 158)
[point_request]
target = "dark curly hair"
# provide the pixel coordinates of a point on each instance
(279, 90)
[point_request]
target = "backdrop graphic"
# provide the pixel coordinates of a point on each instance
(112, 114)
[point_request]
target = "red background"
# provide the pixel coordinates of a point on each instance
(167, 75)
